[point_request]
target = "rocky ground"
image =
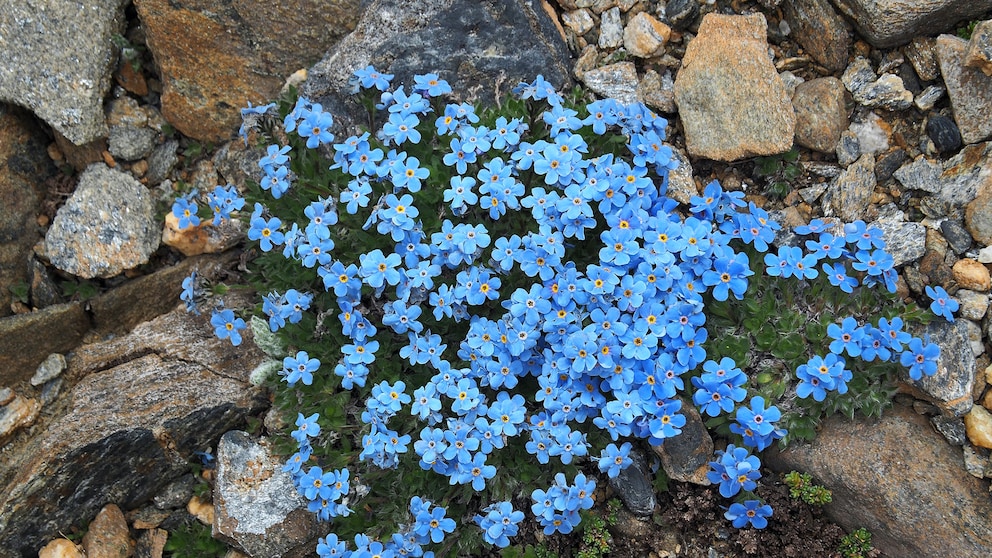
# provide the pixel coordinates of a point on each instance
(889, 117)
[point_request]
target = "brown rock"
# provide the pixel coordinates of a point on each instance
(978, 425)
(202, 239)
(732, 102)
(27, 339)
(107, 535)
(979, 53)
(216, 55)
(969, 89)
(893, 476)
(922, 54)
(151, 543)
(978, 213)
(130, 79)
(820, 30)
(202, 509)
(645, 36)
(686, 457)
(17, 413)
(889, 23)
(969, 274)
(61, 548)
(821, 115)
(852, 189)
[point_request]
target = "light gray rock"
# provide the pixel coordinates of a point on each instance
(610, 29)
(929, 97)
(50, 368)
(889, 23)
(892, 476)
(657, 91)
(904, 241)
(128, 143)
(979, 53)
(848, 148)
(969, 89)
(870, 90)
(107, 226)
(921, 174)
(617, 81)
(161, 161)
(974, 305)
(851, 191)
(950, 388)
(256, 505)
(58, 57)
(732, 102)
(579, 21)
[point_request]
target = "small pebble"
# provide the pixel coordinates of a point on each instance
(944, 133)
(681, 14)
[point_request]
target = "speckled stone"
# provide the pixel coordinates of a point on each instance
(956, 235)
(820, 30)
(974, 305)
(889, 23)
(617, 81)
(904, 241)
(645, 36)
(969, 89)
(610, 29)
(870, 90)
(969, 274)
(821, 115)
(852, 190)
(979, 53)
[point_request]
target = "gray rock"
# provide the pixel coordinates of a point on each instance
(482, 49)
(929, 97)
(161, 161)
(820, 30)
(889, 23)
(610, 29)
(257, 507)
(145, 402)
(921, 174)
(821, 115)
(870, 90)
(952, 428)
(848, 148)
(634, 487)
(579, 21)
(681, 186)
(682, 13)
(888, 163)
(50, 368)
(979, 53)
(617, 81)
(906, 242)
(872, 133)
(58, 60)
(176, 494)
(922, 54)
(27, 339)
(107, 226)
(974, 305)
(893, 476)
(129, 143)
(944, 134)
(851, 191)
(956, 235)
(725, 71)
(17, 413)
(969, 89)
(657, 91)
(686, 457)
(950, 388)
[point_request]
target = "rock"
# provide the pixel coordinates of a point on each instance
(969, 89)
(202, 509)
(19, 412)
(610, 29)
(214, 56)
(161, 161)
(681, 186)
(950, 388)
(922, 54)
(645, 36)
(61, 548)
(579, 21)
(657, 91)
(852, 189)
(256, 505)
(143, 404)
(872, 133)
(203, 238)
(686, 457)
(151, 543)
(107, 226)
(22, 189)
(44, 291)
(821, 116)
(956, 235)
(129, 143)
(820, 30)
(634, 487)
(944, 134)
(50, 368)
(969, 274)
(176, 494)
(893, 476)
(848, 148)
(681, 14)
(973, 305)
(107, 535)
(725, 72)
(617, 81)
(921, 174)
(964, 176)
(979, 53)
(978, 425)
(57, 62)
(974, 332)
(27, 339)
(870, 90)
(985, 255)
(978, 215)
(929, 97)
(888, 163)
(481, 49)
(952, 428)
(889, 23)
(904, 241)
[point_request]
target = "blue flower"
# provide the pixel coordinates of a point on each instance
(500, 523)
(316, 128)
(736, 470)
(377, 268)
(728, 275)
(613, 459)
(185, 210)
(757, 418)
(837, 275)
(369, 77)
(401, 128)
(192, 292)
(433, 524)
(920, 359)
(300, 368)
(265, 231)
(846, 337)
(306, 427)
(943, 304)
(751, 511)
(227, 326)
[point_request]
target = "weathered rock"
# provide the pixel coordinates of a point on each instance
(848, 148)
(820, 30)
(107, 535)
(893, 476)
(143, 404)
(927, 98)
(681, 14)
(888, 163)
(973, 305)
(256, 505)
(50, 368)
(634, 486)
(969, 274)
(203, 238)
(610, 29)
(61, 548)
(151, 543)
(821, 115)
(922, 54)
(161, 161)
(944, 134)
(870, 90)
(27, 339)
(22, 155)
(657, 91)
(686, 457)
(872, 133)
(58, 61)
(579, 21)
(107, 226)
(19, 412)
(681, 186)
(851, 191)
(645, 36)
(952, 428)
(214, 56)
(617, 81)
(956, 235)
(130, 143)
(889, 23)
(950, 387)
(904, 241)
(725, 72)
(978, 425)
(979, 53)
(921, 174)
(481, 49)
(965, 175)
(969, 89)
(978, 213)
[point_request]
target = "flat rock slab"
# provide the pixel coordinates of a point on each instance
(58, 60)
(732, 102)
(901, 480)
(889, 23)
(970, 90)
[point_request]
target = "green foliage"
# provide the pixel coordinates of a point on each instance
(596, 538)
(193, 540)
(965, 31)
(20, 291)
(801, 487)
(856, 544)
(779, 171)
(129, 52)
(79, 289)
